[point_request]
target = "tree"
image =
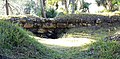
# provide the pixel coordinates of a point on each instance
(33, 6)
(43, 8)
(66, 6)
(11, 8)
(73, 6)
(52, 2)
(72, 2)
(6, 5)
(86, 6)
(81, 3)
(30, 5)
(108, 4)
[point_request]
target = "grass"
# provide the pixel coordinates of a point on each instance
(101, 49)
(16, 43)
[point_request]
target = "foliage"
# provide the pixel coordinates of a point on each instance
(60, 14)
(51, 2)
(51, 13)
(111, 4)
(33, 7)
(85, 6)
(30, 4)
(116, 2)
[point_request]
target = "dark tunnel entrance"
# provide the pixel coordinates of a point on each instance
(51, 33)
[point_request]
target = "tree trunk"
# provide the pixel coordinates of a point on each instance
(6, 5)
(36, 6)
(43, 8)
(73, 6)
(66, 6)
(110, 5)
(81, 4)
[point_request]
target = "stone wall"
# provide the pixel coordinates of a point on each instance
(65, 21)
(44, 25)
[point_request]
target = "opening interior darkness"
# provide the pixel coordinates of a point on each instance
(52, 34)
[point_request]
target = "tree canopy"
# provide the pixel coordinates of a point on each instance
(40, 7)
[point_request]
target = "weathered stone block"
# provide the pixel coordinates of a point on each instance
(27, 25)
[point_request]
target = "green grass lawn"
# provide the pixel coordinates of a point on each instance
(16, 43)
(100, 49)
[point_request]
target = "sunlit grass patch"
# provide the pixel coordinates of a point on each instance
(67, 42)
(76, 44)
(100, 49)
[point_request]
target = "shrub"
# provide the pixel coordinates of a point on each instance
(60, 14)
(51, 13)
(10, 35)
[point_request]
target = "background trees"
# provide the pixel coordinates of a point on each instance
(43, 8)
(48, 7)
(6, 5)
(111, 5)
